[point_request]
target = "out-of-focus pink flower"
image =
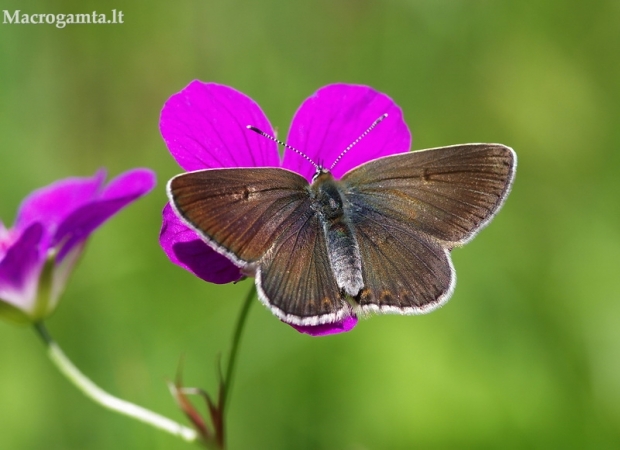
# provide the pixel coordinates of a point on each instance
(38, 253)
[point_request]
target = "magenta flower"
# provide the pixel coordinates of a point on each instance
(204, 127)
(52, 225)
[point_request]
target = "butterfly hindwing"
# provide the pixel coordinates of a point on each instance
(295, 279)
(404, 271)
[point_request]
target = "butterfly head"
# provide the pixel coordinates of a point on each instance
(321, 173)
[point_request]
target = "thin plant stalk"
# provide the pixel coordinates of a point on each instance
(234, 349)
(216, 437)
(103, 398)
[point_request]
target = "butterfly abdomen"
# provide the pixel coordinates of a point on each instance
(344, 255)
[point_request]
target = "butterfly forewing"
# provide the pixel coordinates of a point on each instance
(240, 212)
(448, 193)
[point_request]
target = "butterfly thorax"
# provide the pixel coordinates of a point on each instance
(327, 194)
(342, 247)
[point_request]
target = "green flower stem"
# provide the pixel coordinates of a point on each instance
(98, 395)
(234, 349)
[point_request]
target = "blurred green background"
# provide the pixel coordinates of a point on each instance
(525, 355)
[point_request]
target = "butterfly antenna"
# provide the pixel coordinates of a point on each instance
(277, 141)
(368, 130)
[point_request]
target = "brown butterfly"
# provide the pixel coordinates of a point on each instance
(377, 240)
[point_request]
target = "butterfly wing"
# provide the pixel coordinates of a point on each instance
(449, 193)
(403, 271)
(295, 279)
(262, 218)
(239, 212)
(409, 210)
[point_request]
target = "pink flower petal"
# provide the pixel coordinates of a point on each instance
(184, 248)
(333, 118)
(135, 182)
(326, 329)
(204, 126)
(20, 268)
(83, 220)
(51, 204)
